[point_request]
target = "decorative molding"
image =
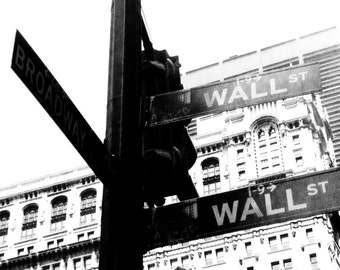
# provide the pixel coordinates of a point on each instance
(211, 148)
(234, 118)
(234, 246)
(57, 253)
(56, 234)
(290, 103)
(31, 199)
(25, 242)
(59, 192)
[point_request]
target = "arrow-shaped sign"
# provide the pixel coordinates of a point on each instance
(229, 95)
(45, 88)
(257, 205)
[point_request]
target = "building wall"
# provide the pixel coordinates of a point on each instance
(287, 242)
(69, 242)
(229, 137)
(322, 47)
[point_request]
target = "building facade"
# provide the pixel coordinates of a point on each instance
(322, 47)
(52, 222)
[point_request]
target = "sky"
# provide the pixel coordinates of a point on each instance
(72, 39)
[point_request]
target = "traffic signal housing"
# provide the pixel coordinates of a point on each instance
(168, 152)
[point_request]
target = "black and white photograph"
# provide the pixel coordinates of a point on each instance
(170, 135)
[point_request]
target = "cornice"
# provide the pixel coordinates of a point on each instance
(50, 254)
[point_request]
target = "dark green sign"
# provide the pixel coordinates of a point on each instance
(229, 95)
(246, 208)
(45, 88)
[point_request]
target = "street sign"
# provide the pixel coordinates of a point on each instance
(229, 95)
(45, 88)
(256, 205)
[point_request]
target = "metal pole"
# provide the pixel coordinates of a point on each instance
(121, 236)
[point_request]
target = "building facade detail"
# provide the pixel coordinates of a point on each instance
(51, 223)
(261, 143)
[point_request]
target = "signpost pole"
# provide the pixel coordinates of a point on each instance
(121, 244)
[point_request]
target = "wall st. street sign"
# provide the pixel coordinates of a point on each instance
(45, 88)
(245, 208)
(229, 95)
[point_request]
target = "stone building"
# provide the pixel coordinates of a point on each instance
(51, 222)
(322, 47)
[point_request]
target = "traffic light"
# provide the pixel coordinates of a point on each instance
(168, 152)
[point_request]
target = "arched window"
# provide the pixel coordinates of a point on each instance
(4, 218)
(88, 206)
(58, 217)
(267, 143)
(29, 223)
(211, 176)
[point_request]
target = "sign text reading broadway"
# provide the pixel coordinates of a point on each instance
(45, 88)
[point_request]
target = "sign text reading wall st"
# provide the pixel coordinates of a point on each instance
(229, 95)
(246, 208)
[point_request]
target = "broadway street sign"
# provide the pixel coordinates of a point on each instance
(229, 95)
(45, 88)
(245, 208)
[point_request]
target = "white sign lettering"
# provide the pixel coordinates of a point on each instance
(256, 209)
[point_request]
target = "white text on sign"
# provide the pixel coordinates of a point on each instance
(251, 207)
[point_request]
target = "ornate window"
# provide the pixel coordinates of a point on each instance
(208, 255)
(249, 249)
(313, 261)
(275, 265)
(267, 142)
(174, 263)
(29, 223)
(211, 176)
(88, 206)
(287, 264)
(58, 217)
(4, 218)
(273, 243)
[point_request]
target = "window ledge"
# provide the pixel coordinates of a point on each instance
(3, 246)
(213, 265)
(249, 257)
(6, 206)
(279, 250)
(316, 242)
(63, 232)
(27, 241)
(87, 226)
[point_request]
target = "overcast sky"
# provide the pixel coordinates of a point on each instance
(72, 39)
